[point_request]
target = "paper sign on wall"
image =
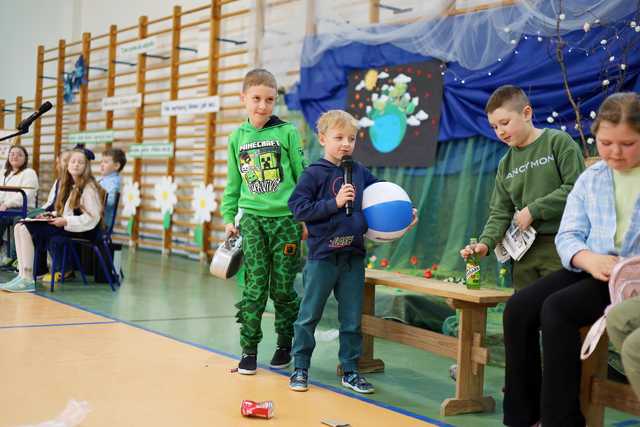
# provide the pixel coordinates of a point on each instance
(179, 107)
(140, 46)
(121, 102)
(92, 137)
(153, 150)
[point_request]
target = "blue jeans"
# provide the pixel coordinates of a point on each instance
(342, 273)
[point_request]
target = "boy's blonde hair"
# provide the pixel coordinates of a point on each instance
(622, 107)
(509, 97)
(259, 77)
(336, 119)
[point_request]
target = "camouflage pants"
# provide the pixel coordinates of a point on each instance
(271, 249)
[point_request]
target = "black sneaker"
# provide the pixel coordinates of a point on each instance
(248, 364)
(299, 380)
(281, 358)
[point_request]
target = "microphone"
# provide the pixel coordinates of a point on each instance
(347, 165)
(24, 125)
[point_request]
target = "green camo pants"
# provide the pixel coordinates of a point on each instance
(271, 249)
(540, 260)
(623, 327)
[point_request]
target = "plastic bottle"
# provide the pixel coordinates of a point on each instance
(472, 276)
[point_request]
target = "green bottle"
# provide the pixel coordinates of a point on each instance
(472, 276)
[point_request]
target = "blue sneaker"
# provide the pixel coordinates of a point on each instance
(9, 283)
(357, 382)
(299, 380)
(22, 285)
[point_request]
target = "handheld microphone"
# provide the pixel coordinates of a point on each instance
(347, 165)
(24, 125)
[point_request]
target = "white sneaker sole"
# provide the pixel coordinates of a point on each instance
(247, 371)
(280, 366)
(356, 389)
(298, 388)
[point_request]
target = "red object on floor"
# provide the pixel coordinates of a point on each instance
(249, 408)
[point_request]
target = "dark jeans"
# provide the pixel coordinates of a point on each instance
(342, 274)
(548, 389)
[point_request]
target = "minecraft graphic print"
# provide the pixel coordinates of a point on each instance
(260, 166)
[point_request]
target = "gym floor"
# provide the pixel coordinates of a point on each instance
(160, 351)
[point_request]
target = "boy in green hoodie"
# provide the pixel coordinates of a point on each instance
(264, 163)
(534, 178)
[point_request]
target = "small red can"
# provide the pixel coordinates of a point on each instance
(249, 408)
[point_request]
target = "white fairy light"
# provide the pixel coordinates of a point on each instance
(633, 24)
(612, 58)
(623, 66)
(562, 16)
(603, 42)
(586, 27)
(590, 141)
(592, 114)
(554, 114)
(638, 29)
(550, 119)
(539, 38)
(605, 82)
(563, 128)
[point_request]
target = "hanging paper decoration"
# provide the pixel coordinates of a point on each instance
(131, 200)
(204, 203)
(165, 198)
(74, 79)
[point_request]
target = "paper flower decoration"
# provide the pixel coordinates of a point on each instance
(203, 204)
(164, 193)
(131, 201)
(130, 198)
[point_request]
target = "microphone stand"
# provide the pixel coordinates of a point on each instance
(20, 132)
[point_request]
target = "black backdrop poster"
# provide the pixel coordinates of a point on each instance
(398, 108)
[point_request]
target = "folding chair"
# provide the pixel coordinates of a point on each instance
(101, 247)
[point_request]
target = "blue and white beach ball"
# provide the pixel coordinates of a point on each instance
(388, 211)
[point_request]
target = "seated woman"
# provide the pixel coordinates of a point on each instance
(16, 174)
(601, 222)
(79, 206)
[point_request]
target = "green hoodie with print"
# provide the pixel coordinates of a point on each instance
(539, 176)
(263, 167)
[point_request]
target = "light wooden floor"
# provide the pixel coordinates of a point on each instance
(51, 353)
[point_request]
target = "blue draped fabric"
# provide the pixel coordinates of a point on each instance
(532, 66)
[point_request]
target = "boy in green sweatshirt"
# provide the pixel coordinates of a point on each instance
(534, 178)
(264, 163)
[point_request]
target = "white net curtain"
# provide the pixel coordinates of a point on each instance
(474, 40)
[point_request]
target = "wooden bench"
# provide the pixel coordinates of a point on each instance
(598, 392)
(467, 349)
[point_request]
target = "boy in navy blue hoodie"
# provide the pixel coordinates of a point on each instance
(336, 249)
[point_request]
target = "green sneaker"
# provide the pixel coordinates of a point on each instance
(22, 285)
(9, 283)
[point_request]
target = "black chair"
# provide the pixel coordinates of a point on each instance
(14, 213)
(100, 246)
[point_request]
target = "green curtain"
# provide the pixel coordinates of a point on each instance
(452, 198)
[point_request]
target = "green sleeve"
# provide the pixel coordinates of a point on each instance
(501, 212)
(229, 205)
(296, 156)
(570, 165)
